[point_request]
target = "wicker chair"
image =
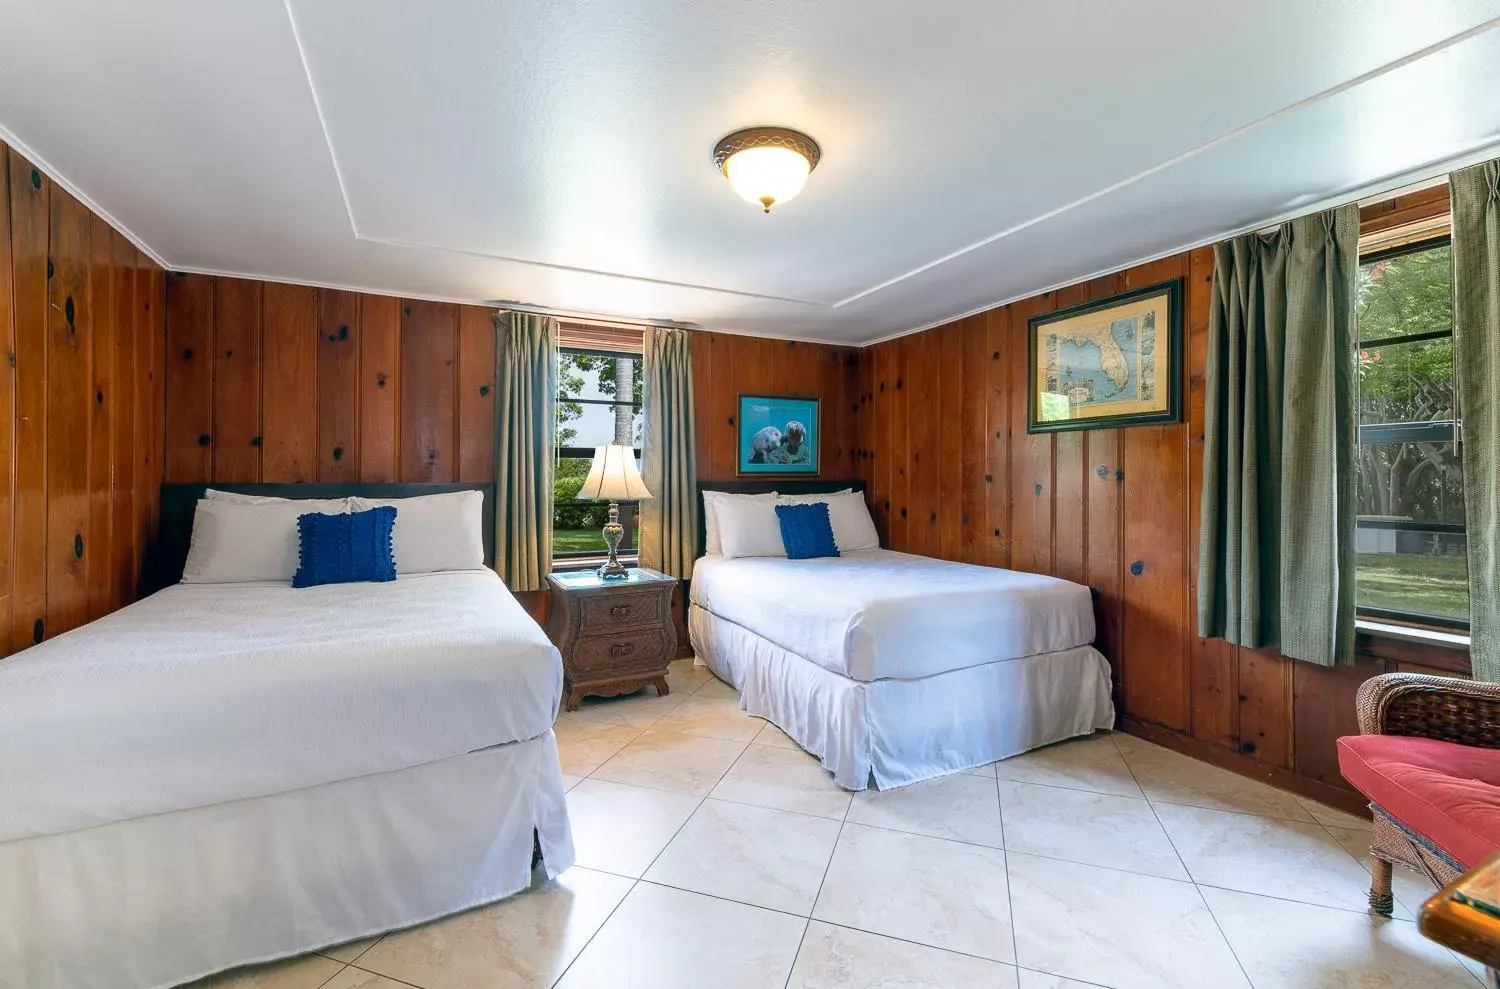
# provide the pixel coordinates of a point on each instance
(1441, 708)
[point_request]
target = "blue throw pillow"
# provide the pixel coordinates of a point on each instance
(345, 549)
(806, 531)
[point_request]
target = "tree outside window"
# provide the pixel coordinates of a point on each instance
(598, 401)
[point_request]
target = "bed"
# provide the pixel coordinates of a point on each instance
(228, 773)
(894, 668)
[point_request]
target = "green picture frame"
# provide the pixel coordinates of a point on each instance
(779, 436)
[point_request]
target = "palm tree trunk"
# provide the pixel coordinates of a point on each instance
(624, 390)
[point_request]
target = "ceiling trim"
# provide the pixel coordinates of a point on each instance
(1425, 175)
(71, 188)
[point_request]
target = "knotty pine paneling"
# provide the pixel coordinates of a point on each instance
(80, 397)
(945, 434)
(726, 366)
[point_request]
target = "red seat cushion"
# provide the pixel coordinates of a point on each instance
(1446, 792)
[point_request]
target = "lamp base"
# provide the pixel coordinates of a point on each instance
(613, 533)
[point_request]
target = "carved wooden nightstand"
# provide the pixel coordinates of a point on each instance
(615, 636)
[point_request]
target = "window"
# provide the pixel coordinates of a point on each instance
(598, 401)
(1410, 541)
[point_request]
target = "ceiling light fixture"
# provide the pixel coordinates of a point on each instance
(767, 165)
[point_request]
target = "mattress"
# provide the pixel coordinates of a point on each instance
(207, 693)
(879, 614)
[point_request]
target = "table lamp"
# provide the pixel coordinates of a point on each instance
(613, 478)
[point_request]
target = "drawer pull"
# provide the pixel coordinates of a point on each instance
(622, 649)
(619, 611)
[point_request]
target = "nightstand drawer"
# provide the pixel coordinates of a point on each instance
(621, 610)
(621, 652)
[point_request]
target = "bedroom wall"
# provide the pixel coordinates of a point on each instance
(953, 473)
(273, 382)
(80, 409)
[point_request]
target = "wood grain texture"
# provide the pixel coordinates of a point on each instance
(125, 560)
(289, 375)
(236, 384)
(429, 385)
(99, 550)
(7, 405)
(476, 394)
(379, 386)
(338, 385)
(190, 381)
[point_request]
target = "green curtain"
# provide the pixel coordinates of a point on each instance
(669, 520)
(525, 425)
(1476, 365)
(1276, 544)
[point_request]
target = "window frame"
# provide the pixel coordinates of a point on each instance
(629, 510)
(1434, 431)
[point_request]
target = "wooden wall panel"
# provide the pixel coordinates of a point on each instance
(379, 387)
(476, 394)
(70, 395)
(429, 358)
(236, 380)
(338, 385)
(7, 404)
(30, 212)
(289, 380)
(189, 421)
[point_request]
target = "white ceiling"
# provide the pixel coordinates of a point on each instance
(556, 152)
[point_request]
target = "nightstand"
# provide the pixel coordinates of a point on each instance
(615, 636)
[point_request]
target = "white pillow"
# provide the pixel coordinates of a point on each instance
(712, 545)
(853, 528)
(326, 506)
(234, 542)
(435, 532)
(749, 527)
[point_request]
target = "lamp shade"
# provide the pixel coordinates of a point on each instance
(613, 476)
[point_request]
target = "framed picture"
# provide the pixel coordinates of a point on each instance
(1108, 363)
(778, 435)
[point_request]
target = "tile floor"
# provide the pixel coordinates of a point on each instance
(712, 852)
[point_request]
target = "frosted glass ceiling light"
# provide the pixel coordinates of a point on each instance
(767, 165)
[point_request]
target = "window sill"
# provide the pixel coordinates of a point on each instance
(572, 563)
(1409, 645)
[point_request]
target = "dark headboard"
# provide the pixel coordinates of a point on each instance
(179, 501)
(760, 485)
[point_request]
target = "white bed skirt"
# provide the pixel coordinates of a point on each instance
(160, 900)
(902, 731)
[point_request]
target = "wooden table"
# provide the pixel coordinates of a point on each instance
(615, 636)
(1465, 916)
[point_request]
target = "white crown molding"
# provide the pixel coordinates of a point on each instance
(59, 179)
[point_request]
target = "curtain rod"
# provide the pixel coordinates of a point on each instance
(588, 320)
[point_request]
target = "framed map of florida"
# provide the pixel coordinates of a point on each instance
(1109, 363)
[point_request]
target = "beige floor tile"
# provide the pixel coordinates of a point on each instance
(664, 938)
(1092, 763)
(987, 770)
(1409, 887)
(1116, 929)
(1299, 946)
(936, 892)
(641, 709)
(584, 746)
(570, 781)
(767, 858)
(358, 978)
(712, 717)
(960, 806)
(520, 943)
(1332, 817)
(1041, 980)
(1262, 855)
(672, 761)
(307, 972)
(771, 735)
(714, 687)
(784, 779)
(840, 958)
(1168, 776)
(350, 951)
(1092, 828)
(684, 677)
(620, 828)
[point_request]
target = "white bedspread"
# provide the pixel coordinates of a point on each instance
(880, 614)
(214, 692)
